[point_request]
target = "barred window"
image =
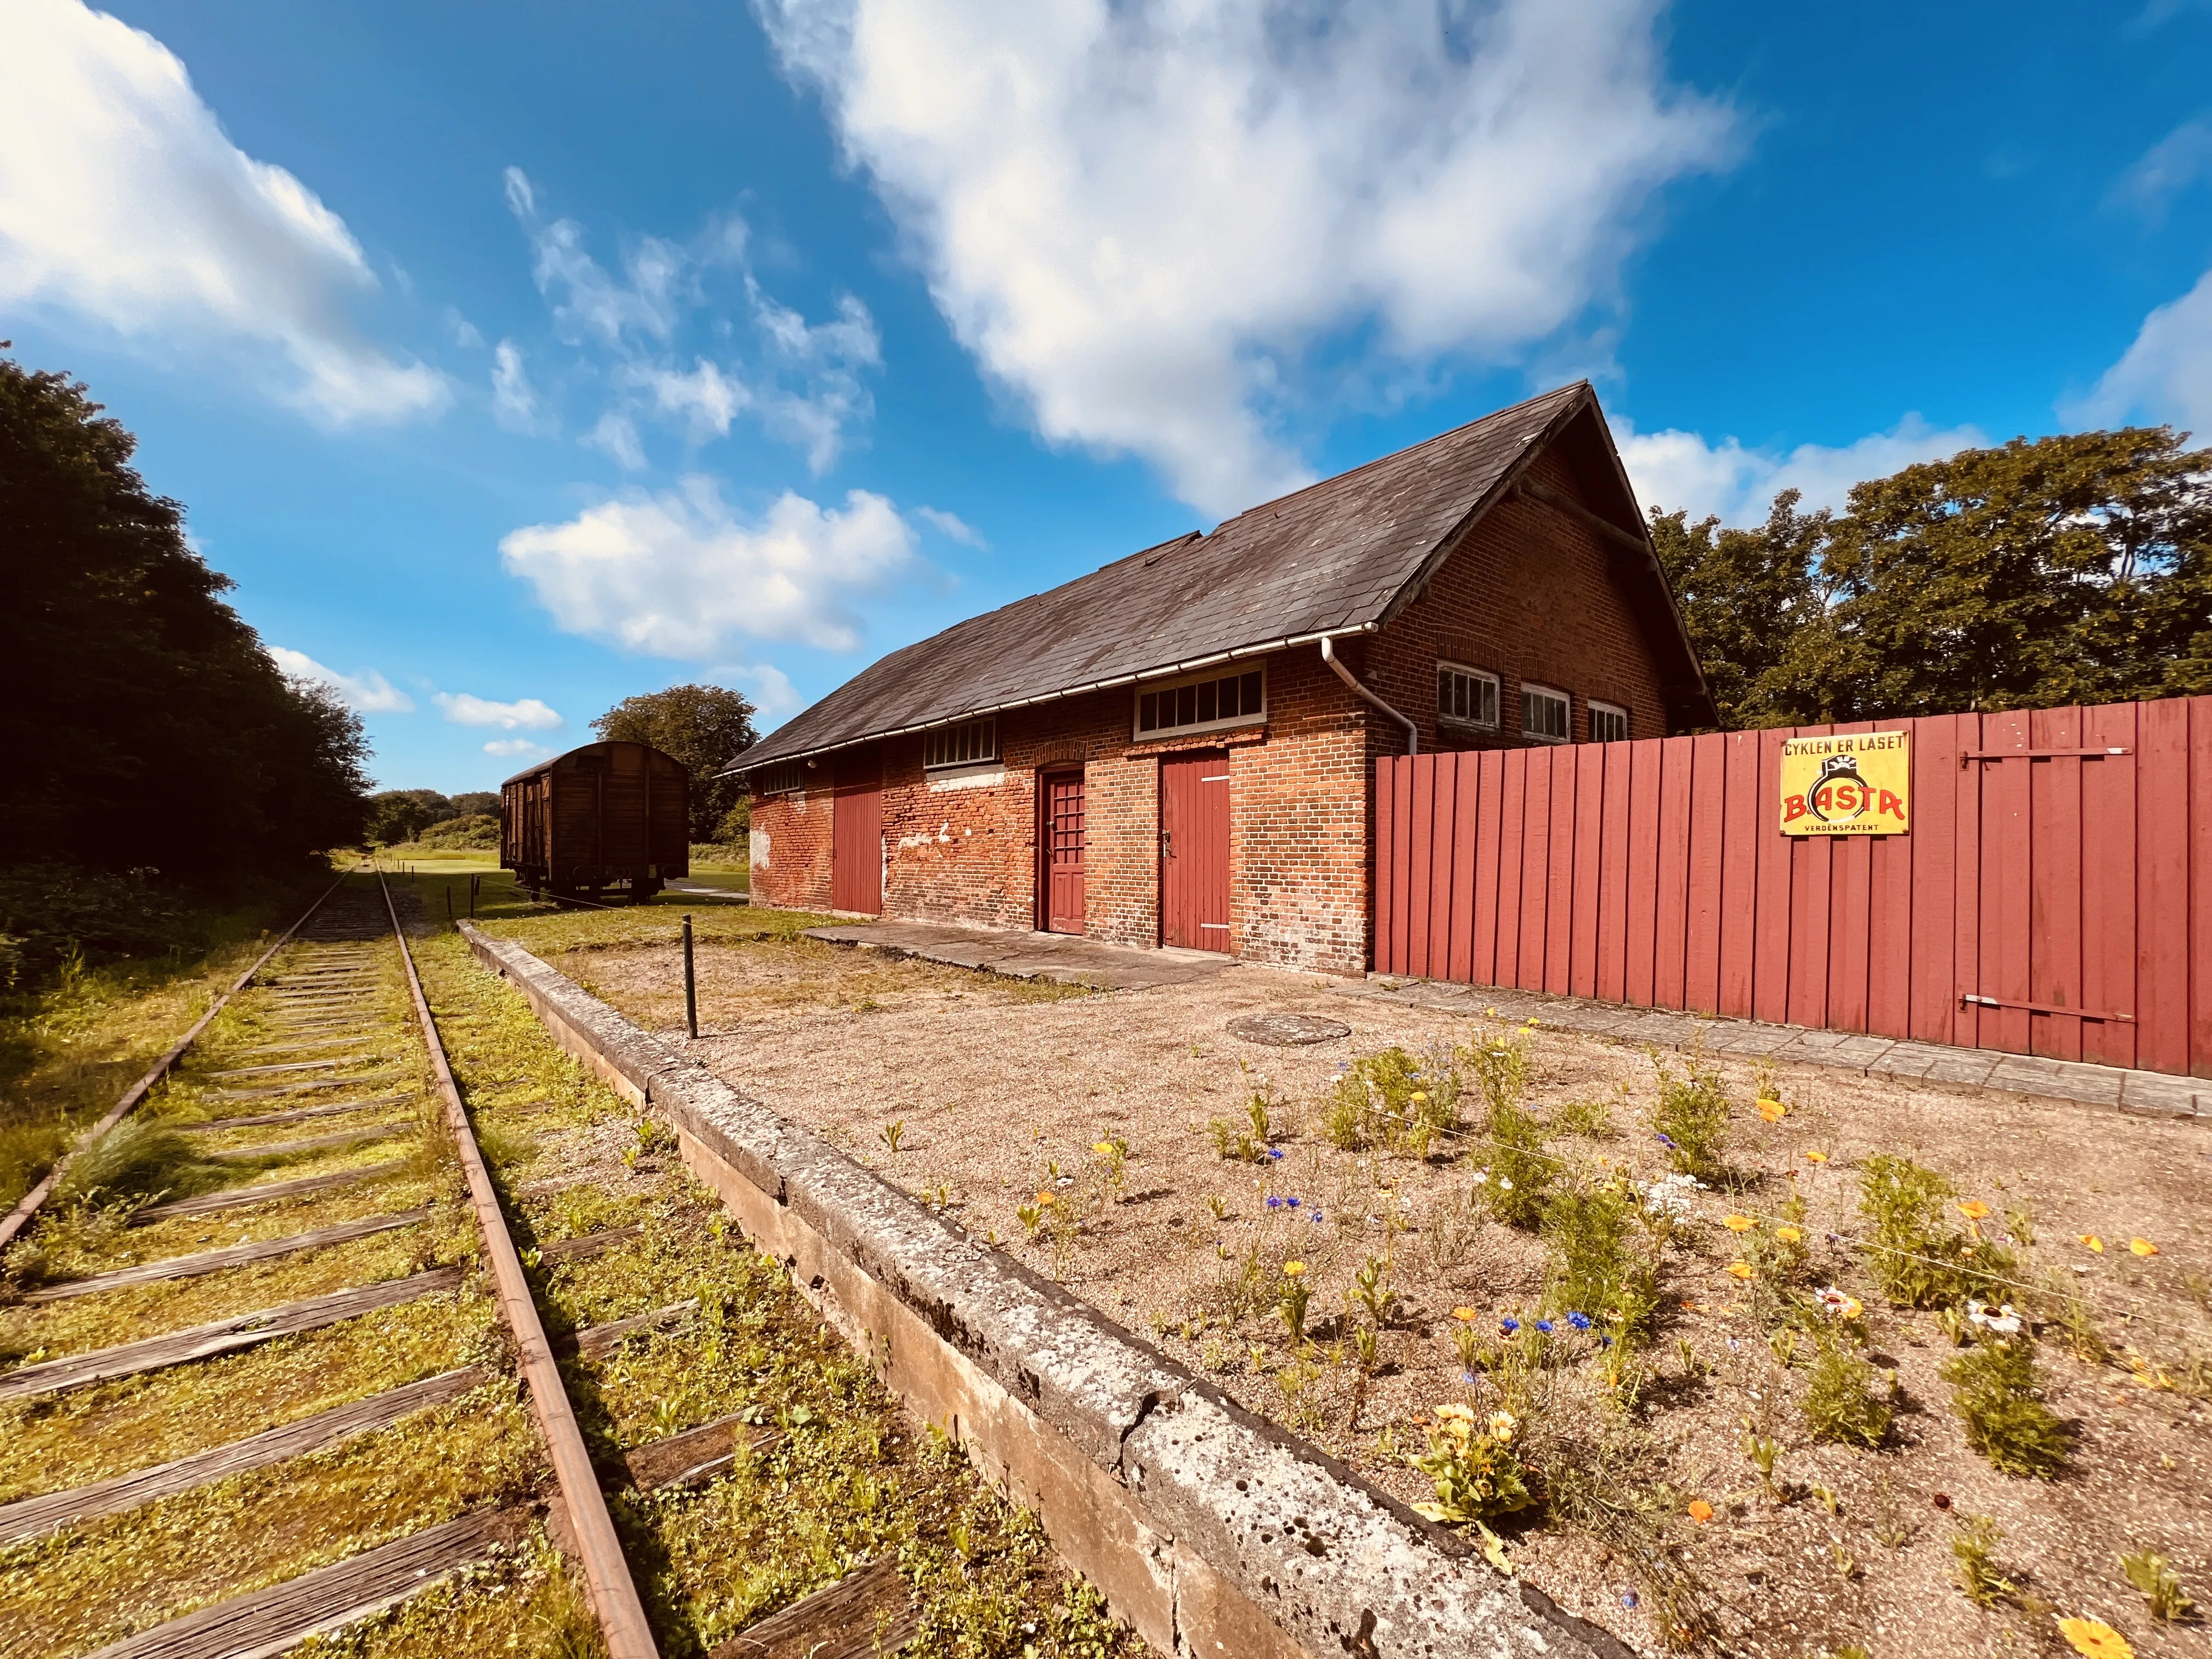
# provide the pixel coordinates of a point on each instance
(962, 744)
(781, 778)
(1238, 699)
(1546, 714)
(1608, 723)
(1466, 694)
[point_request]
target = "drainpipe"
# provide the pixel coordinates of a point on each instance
(1412, 732)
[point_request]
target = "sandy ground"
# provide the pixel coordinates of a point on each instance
(979, 1094)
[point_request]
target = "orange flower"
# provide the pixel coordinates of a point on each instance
(1816, 1157)
(1044, 1198)
(1789, 1235)
(1701, 1512)
(2093, 1242)
(2142, 1247)
(1738, 1224)
(1693, 1307)
(1772, 1110)
(1973, 1209)
(2095, 1639)
(1466, 1315)
(1741, 1270)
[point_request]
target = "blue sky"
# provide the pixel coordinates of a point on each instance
(514, 359)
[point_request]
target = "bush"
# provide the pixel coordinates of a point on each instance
(1841, 1403)
(52, 913)
(1994, 1392)
(477, 829)
(1915, 1256)
(1693, 1119)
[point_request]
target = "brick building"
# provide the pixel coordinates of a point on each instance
(1177, 749)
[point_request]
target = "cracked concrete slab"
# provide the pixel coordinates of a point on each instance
(1065, 958)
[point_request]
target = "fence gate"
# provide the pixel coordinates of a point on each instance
(2054, 894)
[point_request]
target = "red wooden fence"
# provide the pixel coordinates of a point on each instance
(1654, 873)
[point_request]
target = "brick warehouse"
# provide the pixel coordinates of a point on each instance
(1178, 748)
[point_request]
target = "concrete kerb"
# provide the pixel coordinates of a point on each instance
(1211, 1531)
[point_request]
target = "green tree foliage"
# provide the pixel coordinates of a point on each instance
(704, 726)
(2071, 569)
(468, 819)
(144, 724)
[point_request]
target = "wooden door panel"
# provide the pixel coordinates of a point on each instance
(1062, 841)
(856, 840)
(1195, 851)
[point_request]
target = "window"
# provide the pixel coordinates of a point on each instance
(1608, 724)
(962, 744)
(779, 779)
(1239, 699)
(1546, 714)
(1466, 694)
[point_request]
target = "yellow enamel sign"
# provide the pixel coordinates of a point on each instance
(1859, 783)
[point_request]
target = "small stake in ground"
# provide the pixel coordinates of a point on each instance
(690, 984)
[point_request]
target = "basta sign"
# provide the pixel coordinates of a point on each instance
(1854, 783)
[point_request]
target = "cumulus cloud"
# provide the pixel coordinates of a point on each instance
(677, 573)
(1144, 218)
(368, 692)
(464, 709)
(2165, 375)
(1675, 469)
(122, 202)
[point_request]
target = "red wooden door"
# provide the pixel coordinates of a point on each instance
(1060, 847)
(856, 840)
(1194, 850)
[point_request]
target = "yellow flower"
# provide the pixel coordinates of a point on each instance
(1973, 1209)
(1452, 1408)
(1502, 1425)
(1700, 1511)
(2093, 1242)
(1789, 1235)
(1292, 1269)
(1044, 1198)
(1104, 1148)
(1741, 1270)
(1417, 1094)
(2142, 1247)
(1738, 1224)
(1772, 1110)
(1816, 1157)
(2095, 1639)
(1466, 1315)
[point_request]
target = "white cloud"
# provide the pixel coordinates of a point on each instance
(1143, 217)
(514, 399)
(2167, 168)
(1675, 469)
(676, 574)
(369, 692)
(2165, 375)
(515, 747)
(464, 709)
(588, 303)
(949, 525)
(705, 397)
(771, 692)
(122, 201)
(615, 435)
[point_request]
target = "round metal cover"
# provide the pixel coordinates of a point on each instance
(1287, 1030)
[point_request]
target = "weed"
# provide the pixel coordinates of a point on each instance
(1476, 1472)
(1891, 1529)
(891, 1133)
(1995, 1394)
(1217, 1206)
(1915, 1256)
(1448, 1230)
(138, 1160)
(1371, 1289)
(2158, 1584)
(1602, 1272)
(1512, 1187)
(1367, 1348)
(2067, 1310)
(1291, 1299)
(1591, 1119)
(1693, 1117)
(1764, 1451)
(1974, 1549)
(1392, 1099)
(1842, 1405)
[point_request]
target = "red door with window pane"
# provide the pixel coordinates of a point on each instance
(856, 839)
(1060, 842)
(1194, 850)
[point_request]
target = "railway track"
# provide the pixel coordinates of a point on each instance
(288, 1358)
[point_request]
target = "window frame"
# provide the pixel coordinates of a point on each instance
(1447, 665)
(1597, 709)
(1232, 671)
(770, 780)
(1528, 687)
(943, 735)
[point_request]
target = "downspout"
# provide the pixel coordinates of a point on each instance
(1412, 732)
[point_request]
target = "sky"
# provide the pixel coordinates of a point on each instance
(516, 358)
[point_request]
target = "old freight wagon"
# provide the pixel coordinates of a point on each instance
(607, 817)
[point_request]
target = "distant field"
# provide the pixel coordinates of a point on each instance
(471, 861)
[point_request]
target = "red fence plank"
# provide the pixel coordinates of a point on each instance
(1388, 953)
(1889, 927)
(1670, 937)
(1589, 863)
(2008, 858)
(1465, 817)
(2172, 751)
(1489, 811)
(2054, 883)
(1643, 897)
(1850, 913)
(1770, 949)
(1535, 867)
(1701, 910)
(1560, 888)
(2108, 881)
(1809, 868)
(1613, 884)
(1937, 742)
(1420, 869)
(1512, 873)
(1738, 874)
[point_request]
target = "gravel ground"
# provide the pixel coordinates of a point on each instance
(979, 1094)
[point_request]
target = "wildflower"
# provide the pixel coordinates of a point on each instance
(1580, 1321)
(1104, 1148)
(1815, 1158)
(1292, 1202)
(1293, 1269)
(1738, 1224)
(1772, 1110)
(2142, 1247)
(1502, 1424)
(1274, 1152)
(1837, 1304)
(1604, 1341)
(1044, 1196)
(1274, 1203)
(2095, 1639)
(1741, 1270)
(1504, 1183)
(1790, 1235)
(1666, 1140)
(1417, 1095)
(1508, 1325)
(1465, 1316)
(2093, 1242)
(1628, 1598)
(1451, 1411)
(1545, 1326)
(2004, 1322)
(1700, 1511)
(1973, 1209)
(1065, 1180)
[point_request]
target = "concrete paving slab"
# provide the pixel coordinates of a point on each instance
(1062, 959)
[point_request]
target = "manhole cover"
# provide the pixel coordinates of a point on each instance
(1287, 1030)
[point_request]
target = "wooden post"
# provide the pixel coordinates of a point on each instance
(691, 983)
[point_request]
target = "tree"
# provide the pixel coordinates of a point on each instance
(145, 725)
(2068, 569)
(704, 726)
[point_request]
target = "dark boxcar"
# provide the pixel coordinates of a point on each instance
(605, 816)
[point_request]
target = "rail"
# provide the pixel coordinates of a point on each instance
(20, 1215)
(606, 1570)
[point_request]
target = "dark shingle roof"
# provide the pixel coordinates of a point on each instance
(1330, 557)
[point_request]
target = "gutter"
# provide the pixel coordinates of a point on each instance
(742, 765)
(1328, 655)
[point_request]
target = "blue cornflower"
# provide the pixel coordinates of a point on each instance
(1603, 1340)
(1292, 1202)
(1666, 1140)
(1274, 1203)
(1274, 1152)
(1545, 1326)
(1509, 1325)
(1628, 1598)
(1467, 1377)
(1580, 1321)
